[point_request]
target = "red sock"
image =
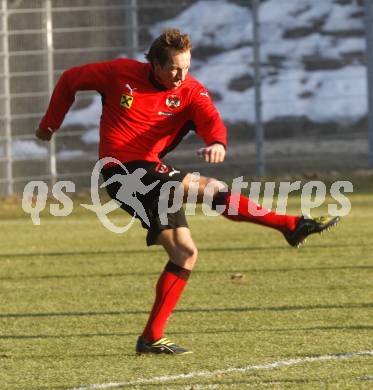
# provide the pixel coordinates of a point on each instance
(240, 208)
(169, 288)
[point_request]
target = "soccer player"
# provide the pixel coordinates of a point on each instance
(147, 108)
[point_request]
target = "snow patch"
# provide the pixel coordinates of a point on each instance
(221, 24)
(25, 149)
(91, 136)
(288, 88)
(69, 154)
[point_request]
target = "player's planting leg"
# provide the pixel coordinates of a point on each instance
(183, 254)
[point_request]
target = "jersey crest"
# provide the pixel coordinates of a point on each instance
(173, 101)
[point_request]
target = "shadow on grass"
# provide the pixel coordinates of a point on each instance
(148, 251)
(196, 272)
(67, 356)
(193, 310)
(215, 331)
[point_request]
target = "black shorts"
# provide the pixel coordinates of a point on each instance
(149, 173)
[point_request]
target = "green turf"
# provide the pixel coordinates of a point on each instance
(74, 298)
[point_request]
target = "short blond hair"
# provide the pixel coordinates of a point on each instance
(170, 39)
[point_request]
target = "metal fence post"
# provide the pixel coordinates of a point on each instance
(259, 131)
(369, 55)
(8, 129)
(132, 41)
(52, 163)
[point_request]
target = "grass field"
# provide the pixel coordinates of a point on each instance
(75, 296)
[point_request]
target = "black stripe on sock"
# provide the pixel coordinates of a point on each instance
(175, 269)
(220, 199)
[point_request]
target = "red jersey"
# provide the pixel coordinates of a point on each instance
(141, 120)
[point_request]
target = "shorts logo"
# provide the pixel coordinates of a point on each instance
(162, 168)
(173, 101)
(126, 101)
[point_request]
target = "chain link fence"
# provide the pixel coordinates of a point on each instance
(312, 77)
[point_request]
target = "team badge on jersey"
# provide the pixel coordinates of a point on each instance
(173, 101)
(126, 100)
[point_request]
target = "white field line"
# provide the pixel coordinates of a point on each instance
(209, 374)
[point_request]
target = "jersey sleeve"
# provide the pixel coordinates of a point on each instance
(209, 125)
(94, 77)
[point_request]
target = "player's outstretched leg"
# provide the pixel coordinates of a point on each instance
(294, 228)
(307, 226)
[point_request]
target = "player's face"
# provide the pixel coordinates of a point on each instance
(173, 73)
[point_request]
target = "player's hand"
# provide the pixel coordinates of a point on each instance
(44, 135)
(214, 153)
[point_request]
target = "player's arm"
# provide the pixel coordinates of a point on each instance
(210, 127)
(94, 77)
